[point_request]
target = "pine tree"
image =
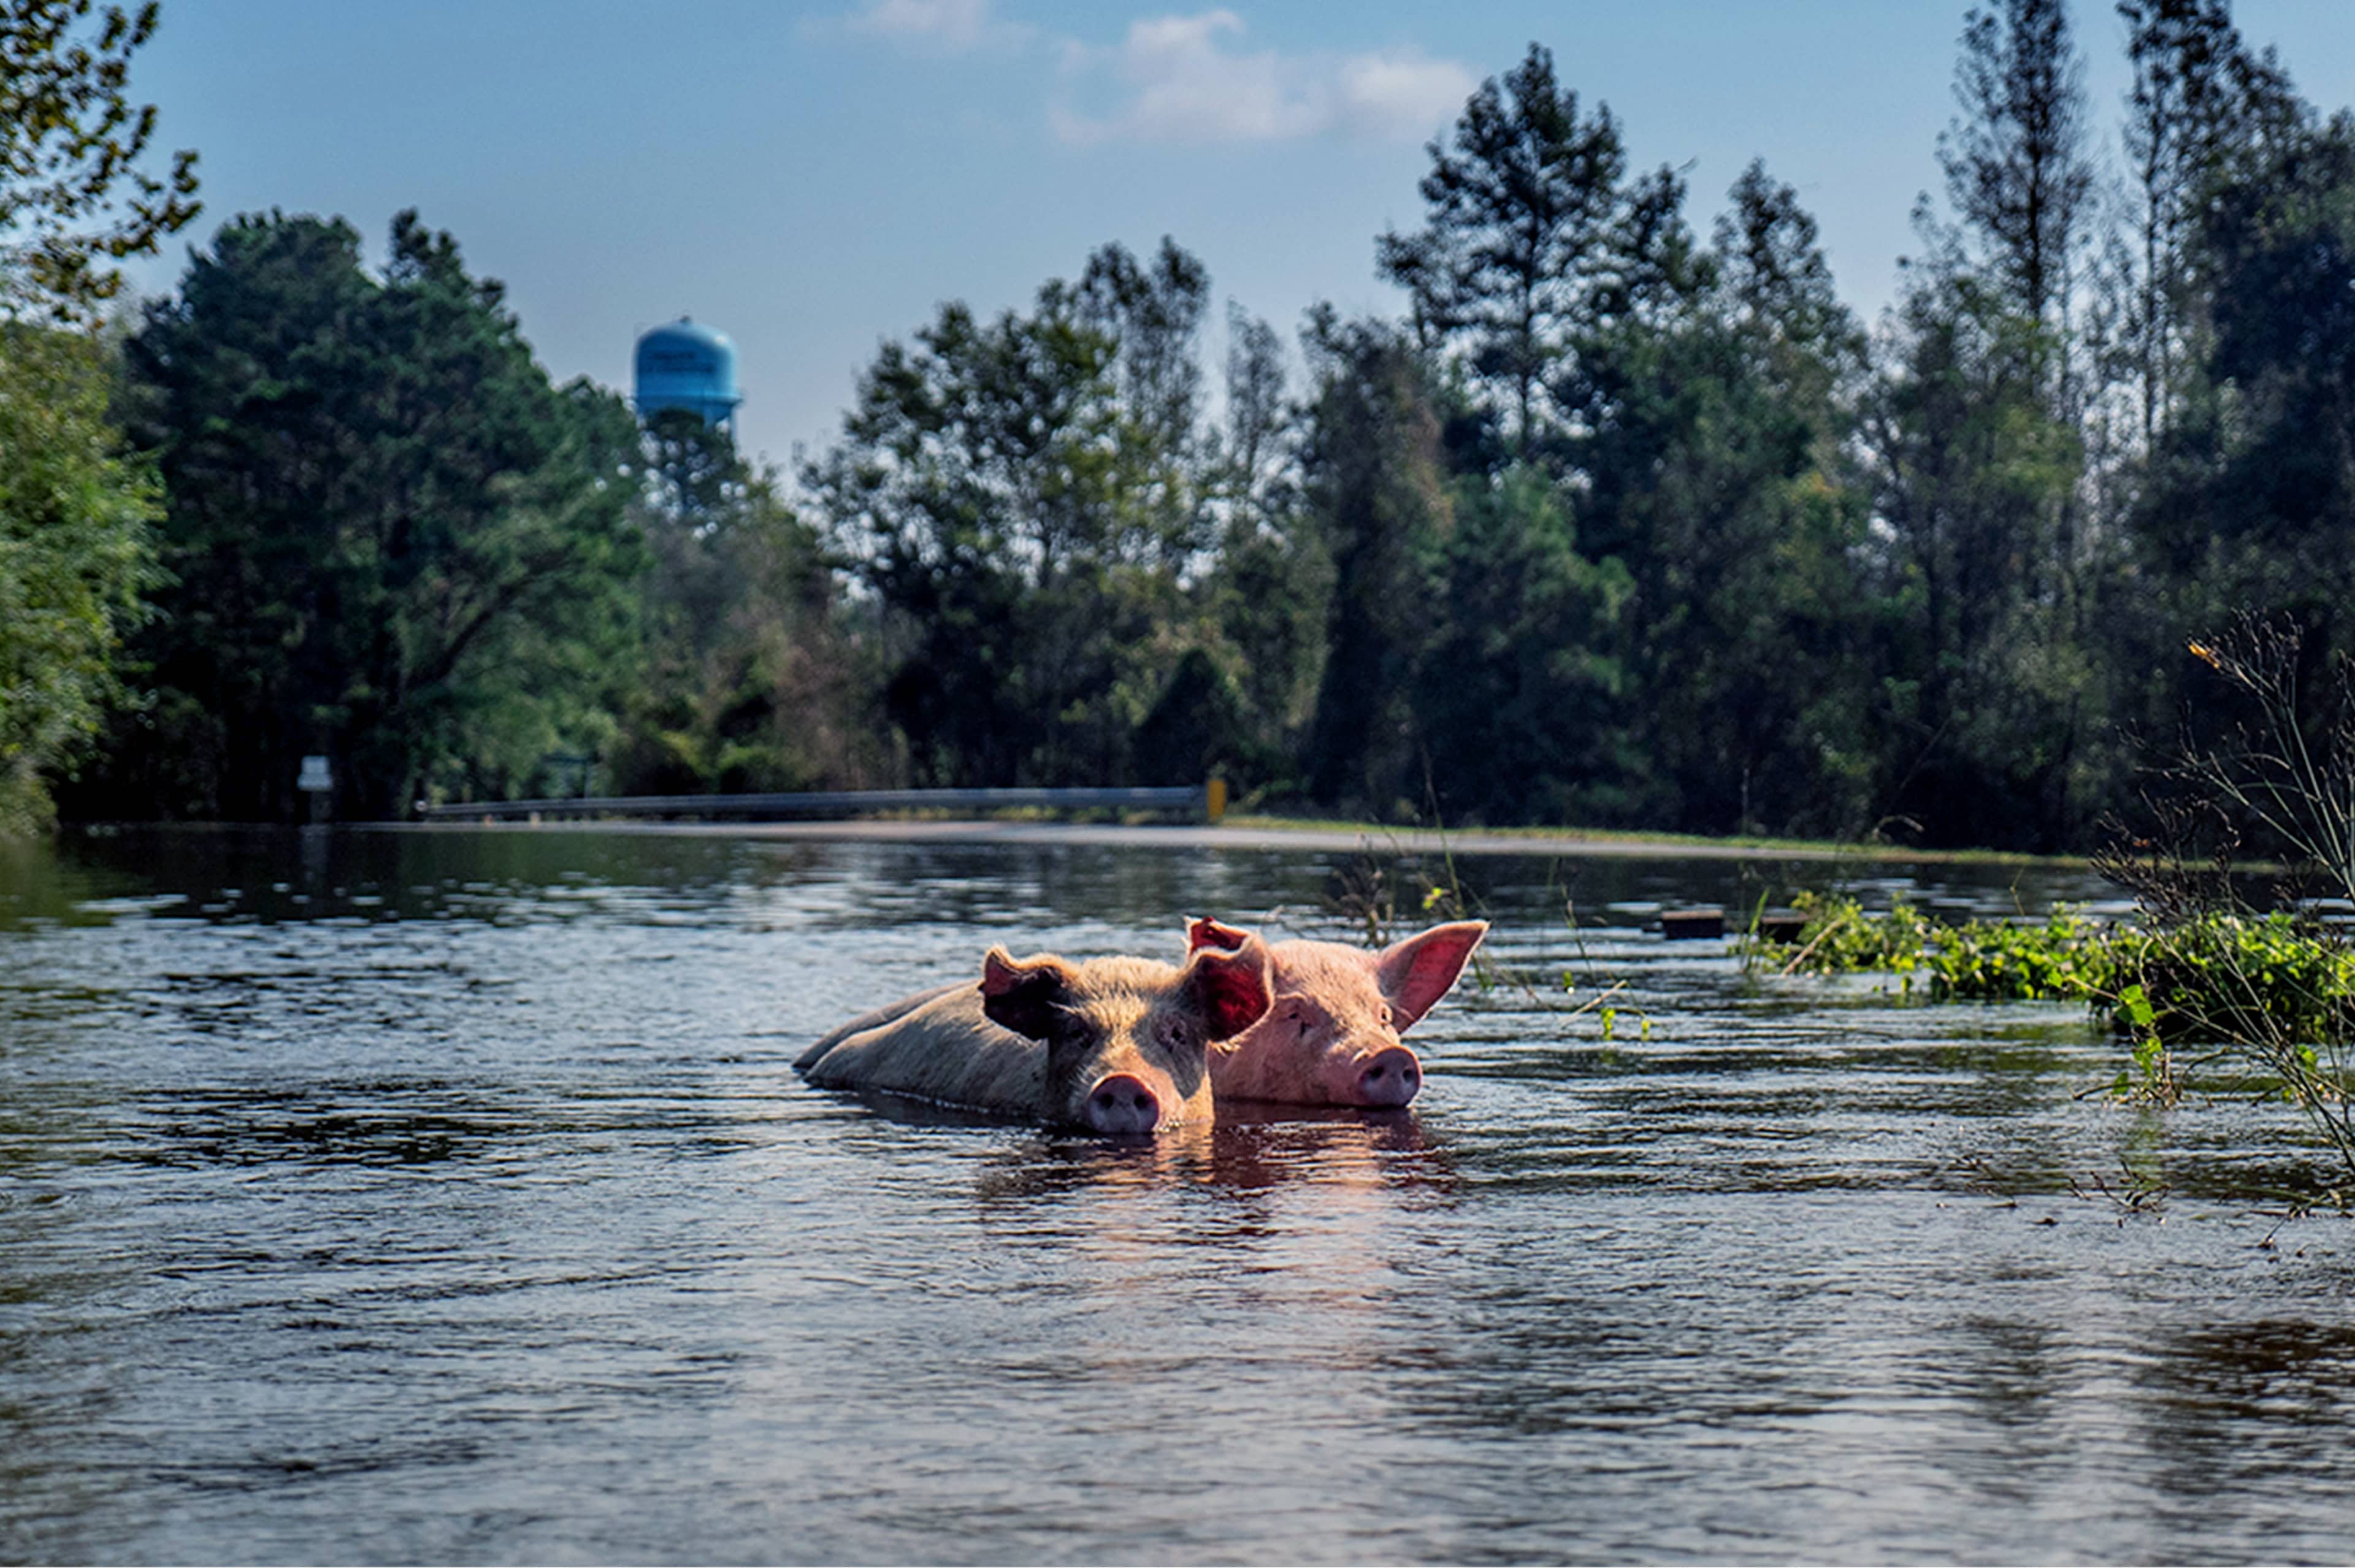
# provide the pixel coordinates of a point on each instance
(1519, 240)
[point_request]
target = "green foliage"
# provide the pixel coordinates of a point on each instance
(1024, 498)
(2151, 1074)
(1268, 592)
(73, 196)
(2273, 994)
(74, 550)
(1376, 496)
(749, 675)
(2015, 162)
(1992, 695)
(1621, 527)
(2279, 253)
(2203, 110)
(1523, 694)
(392, 540)
(1717, 477)
(2239, 980)
(1838, 937)
(2067, 958)
(76, 553)
(1657, 606)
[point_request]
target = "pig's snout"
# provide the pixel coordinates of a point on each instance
(1121, 1103)
(1392, 1077)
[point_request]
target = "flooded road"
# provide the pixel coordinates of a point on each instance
(430, 1196)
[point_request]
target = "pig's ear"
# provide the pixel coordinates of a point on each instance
(1229, 985)
(1414, 974)
(1023, 995)
(1201, 933)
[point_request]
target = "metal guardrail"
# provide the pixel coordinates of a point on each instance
(1207, 801)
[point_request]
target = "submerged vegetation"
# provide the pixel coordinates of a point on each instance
(2203, 979)
(2271, 996)
(2201, 975)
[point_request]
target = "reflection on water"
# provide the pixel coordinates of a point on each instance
(430, 1196)
(1252, 1148)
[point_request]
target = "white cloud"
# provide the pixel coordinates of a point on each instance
(1402, 95)
(1178, 79)
(951, 25)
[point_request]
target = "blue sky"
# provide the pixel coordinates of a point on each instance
(812, 180)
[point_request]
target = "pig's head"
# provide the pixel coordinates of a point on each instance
(1127, 1038)
(1331, 1033)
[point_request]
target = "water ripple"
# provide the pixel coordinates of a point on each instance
(412, 1196)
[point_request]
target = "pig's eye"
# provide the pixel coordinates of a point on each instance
(1385, 1018)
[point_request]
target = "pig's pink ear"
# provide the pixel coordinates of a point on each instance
(1229, 985)
(1201, 933)
(1415, 973)
(1024, 996)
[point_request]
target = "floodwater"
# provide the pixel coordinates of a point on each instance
(424, 1196)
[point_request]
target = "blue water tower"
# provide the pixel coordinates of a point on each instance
(686, 365)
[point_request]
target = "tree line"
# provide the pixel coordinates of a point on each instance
(1620, 523)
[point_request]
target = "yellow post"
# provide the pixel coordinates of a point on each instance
(1214, 800)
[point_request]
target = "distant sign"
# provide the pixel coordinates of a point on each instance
(315, 776)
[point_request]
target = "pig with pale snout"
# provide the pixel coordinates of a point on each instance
(1114, 1045)
(1330, 1037)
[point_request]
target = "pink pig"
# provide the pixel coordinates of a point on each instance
(1117, 1045)
(1331, 1035)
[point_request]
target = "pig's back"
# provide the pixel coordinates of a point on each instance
(937, 1045)
(890, 1012)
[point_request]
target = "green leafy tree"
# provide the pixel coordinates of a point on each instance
(1153, 313)
(752, 675)
(2020, 181)
(1659, 290)
(75, 556)
(1721, 480)
(75, 551)
(394, 542)
(1975, 430)
(1376, 494)
(969, 480)
(1621, 562)
(2203, 106)
(1523, 705)
(1269, 591)
(1989, 697)
(2257, 492)
(2229, 504)
(1023, 497)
